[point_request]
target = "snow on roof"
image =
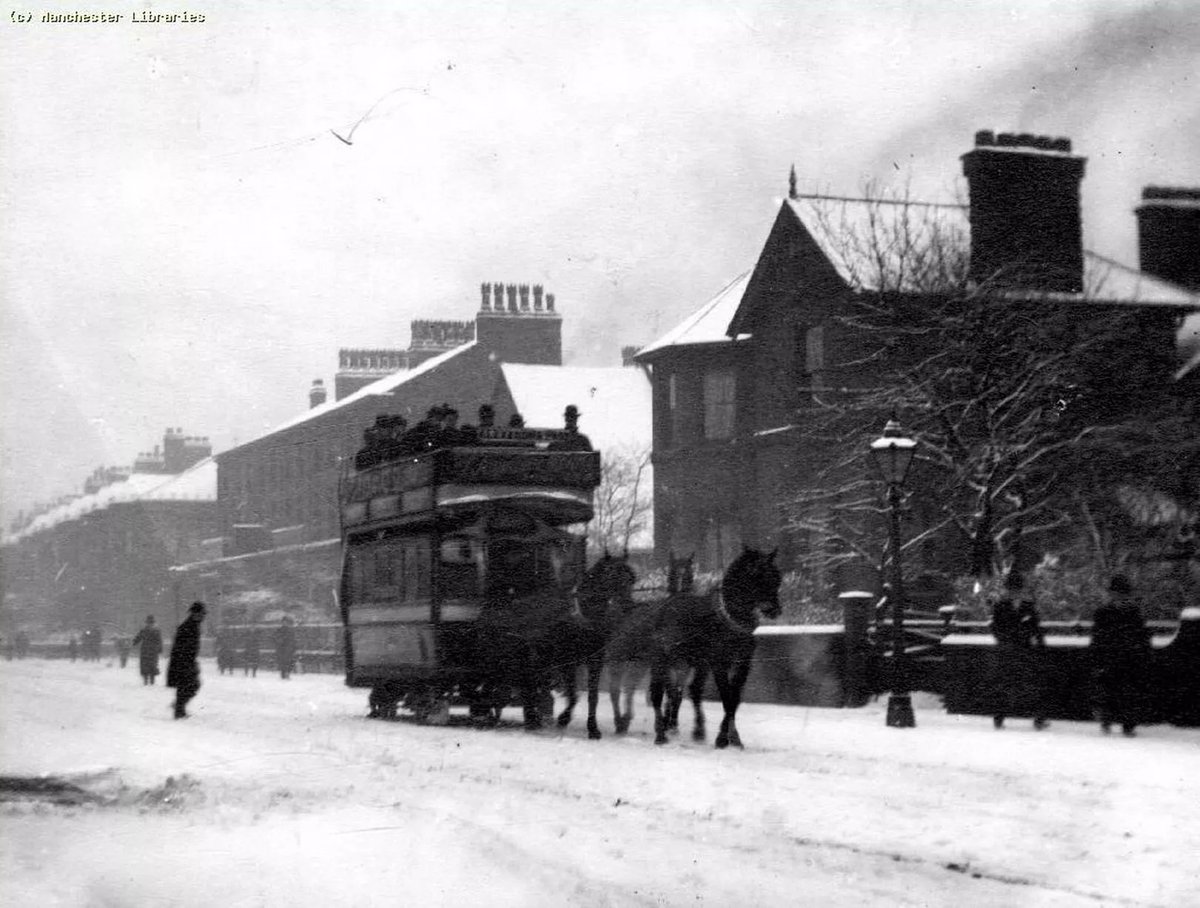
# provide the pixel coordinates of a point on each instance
(848, 232)
(614, 403)
(130, 489)
(197, 483)
(707, 325)
(382, 386)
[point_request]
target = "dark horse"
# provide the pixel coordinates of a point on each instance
(714, 634)
(605, 596)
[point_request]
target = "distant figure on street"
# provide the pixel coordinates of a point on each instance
(1020, 655)
(73, 648)
(285, 647)
(183, 668)
(22, 644)
(123, 646)
(250, 654)
(226, 654)
(1120, 650)
(150, 647)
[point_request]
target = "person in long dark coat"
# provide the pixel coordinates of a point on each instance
(150, 646)
(1020, 655)
(285, 647)
(1120, 650)
(183, 668)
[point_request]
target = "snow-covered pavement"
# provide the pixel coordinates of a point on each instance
(280, 793)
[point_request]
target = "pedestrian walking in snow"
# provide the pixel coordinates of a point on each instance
(183, 668)
(250, 654)
(1020, 687)
(285, 647)
(150, 646)
(1120, 650)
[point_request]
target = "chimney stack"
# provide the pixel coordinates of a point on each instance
(627, 355)
(317, 394)
(1025, 222)
(1169, 235)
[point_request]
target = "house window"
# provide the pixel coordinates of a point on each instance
(720, 390)
(810, 359)
(674, 427)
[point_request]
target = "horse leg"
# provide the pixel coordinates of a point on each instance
(696, 692)
(658, 683)
(616, 675)
(572, 695)
(730, 685)
(594, 667)
(674, 700)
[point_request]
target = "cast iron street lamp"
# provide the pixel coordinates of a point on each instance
(891, 456)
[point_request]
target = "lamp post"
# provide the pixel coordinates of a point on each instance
(891, 456)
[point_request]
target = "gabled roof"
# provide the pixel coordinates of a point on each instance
(709, 323)
(383, 386)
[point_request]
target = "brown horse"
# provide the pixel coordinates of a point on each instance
(714, 634)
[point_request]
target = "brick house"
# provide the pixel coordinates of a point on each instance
(733, 380)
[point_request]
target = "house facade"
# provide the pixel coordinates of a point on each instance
(735, 383)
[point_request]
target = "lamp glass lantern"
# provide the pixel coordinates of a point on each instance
(892, 454)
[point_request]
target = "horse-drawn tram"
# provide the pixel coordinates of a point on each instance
(460, 547)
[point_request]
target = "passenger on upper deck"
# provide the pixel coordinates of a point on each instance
(575, 441)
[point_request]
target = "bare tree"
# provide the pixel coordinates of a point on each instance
(1023, 402)
(623, 501)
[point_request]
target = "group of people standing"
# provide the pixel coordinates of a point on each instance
(247, 656)
(1119, 651)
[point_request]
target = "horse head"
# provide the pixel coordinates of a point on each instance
(753, 581)
(609, 580)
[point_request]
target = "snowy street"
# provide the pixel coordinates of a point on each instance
(281, 793)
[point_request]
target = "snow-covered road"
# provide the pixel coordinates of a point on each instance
(280, 793)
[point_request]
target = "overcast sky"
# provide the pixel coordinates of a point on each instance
(183, 242)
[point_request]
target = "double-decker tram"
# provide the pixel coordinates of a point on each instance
(461, 547)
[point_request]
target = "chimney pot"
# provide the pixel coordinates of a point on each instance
(497, 297)
(537, 297)
(511, 289)
(549, 302)
(485, 291)
(985, 137)
(523, 290)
